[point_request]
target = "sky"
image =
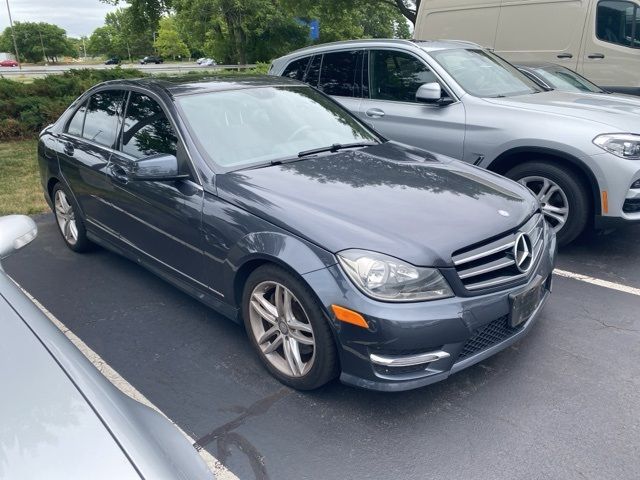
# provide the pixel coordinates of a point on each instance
(77, 17)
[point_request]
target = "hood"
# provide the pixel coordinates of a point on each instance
(619, 112)
(387, 198)
(46, 425)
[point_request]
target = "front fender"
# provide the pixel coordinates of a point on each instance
(281, 248)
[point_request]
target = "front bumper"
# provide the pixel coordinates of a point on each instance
(617, 176)
(452, 334)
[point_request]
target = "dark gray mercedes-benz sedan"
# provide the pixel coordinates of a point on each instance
(342, 253)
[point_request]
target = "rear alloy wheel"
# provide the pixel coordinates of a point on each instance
(69, 223)
(287, 329)
(563, 199)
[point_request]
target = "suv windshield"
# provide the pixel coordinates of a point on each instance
(253, 126)
(483, 74)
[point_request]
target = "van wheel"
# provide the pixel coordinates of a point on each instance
(564, 199)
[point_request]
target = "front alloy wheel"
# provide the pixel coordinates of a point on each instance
(288, 329)
(553, 200)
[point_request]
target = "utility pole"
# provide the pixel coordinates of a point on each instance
(84, 47)
(13, 35)
(44, 54)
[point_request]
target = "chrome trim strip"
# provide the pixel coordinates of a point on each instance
(474, 273)
(409, 360)
(128, 242)
(483, 254)
(493, 283)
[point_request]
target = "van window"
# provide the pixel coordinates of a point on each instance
(617, 22)
(338, 73)
(297, 68)
(103, 117)
(396, 75)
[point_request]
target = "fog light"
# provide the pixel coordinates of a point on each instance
(636, 184)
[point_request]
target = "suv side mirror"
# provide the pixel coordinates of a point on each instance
(431, 93)
(160, 167)
(16, 231)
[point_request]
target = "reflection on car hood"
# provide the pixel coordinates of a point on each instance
(387, 198)
(47, 428)
(621, 112)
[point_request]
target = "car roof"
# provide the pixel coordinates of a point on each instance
(427, 45)
(186, 85)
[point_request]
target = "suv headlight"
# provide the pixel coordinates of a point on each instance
(386, 278)
(623, 145)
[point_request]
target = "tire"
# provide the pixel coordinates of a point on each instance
(571, 191)
(69, 221)
(320, 361)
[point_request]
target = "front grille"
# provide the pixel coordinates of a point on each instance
(488, 336)
(494, 263)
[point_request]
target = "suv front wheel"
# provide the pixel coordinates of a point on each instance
(564, 199)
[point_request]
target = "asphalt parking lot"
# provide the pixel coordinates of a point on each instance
(563, 403)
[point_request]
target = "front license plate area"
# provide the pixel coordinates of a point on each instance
(524, 304)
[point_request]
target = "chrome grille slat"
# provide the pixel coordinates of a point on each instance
(493, 264)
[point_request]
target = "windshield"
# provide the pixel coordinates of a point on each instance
(240, 128)
(483, 74)
(564, 79)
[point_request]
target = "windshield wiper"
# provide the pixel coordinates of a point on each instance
(335, 147)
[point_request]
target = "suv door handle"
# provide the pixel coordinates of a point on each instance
(596, 55)
(374, 113)
(565, 55)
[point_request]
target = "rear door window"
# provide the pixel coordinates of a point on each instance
(103, 116)
(397, 75)
(339, 72)
(77, 121)
(147, 130)
(297, 68)
(313, 73)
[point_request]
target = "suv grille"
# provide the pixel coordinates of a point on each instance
(496, 263)
(489, 335)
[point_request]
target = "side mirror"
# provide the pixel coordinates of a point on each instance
(16, 231)
(431, 93)
(161, 167)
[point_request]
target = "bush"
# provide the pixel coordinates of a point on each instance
(26, 108)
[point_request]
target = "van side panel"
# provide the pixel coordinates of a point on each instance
(471, 20)
(539, 30)
(606, 63)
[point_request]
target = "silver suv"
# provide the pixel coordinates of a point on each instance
(579, 153)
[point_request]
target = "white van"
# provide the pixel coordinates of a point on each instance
(598, 38)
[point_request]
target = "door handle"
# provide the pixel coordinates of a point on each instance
(68, 148)
(119, 174)
(565, 55)
(374, 113)
(596, 55)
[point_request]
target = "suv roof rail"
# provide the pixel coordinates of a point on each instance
(358, 40)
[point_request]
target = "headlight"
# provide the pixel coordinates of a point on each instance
(624, 145)
(392, 280)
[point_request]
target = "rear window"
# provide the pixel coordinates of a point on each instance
(314, 71)
(102, 119)
(77, 121)
(297, 68)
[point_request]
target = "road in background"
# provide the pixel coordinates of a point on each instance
(560, 404)
(178, 67)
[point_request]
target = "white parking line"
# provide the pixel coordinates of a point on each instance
(220, 471)
(598, 281)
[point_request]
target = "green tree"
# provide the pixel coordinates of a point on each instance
(168, 43)
(120, 37)
(37, 41)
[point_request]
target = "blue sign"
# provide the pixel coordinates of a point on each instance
(314, 29)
